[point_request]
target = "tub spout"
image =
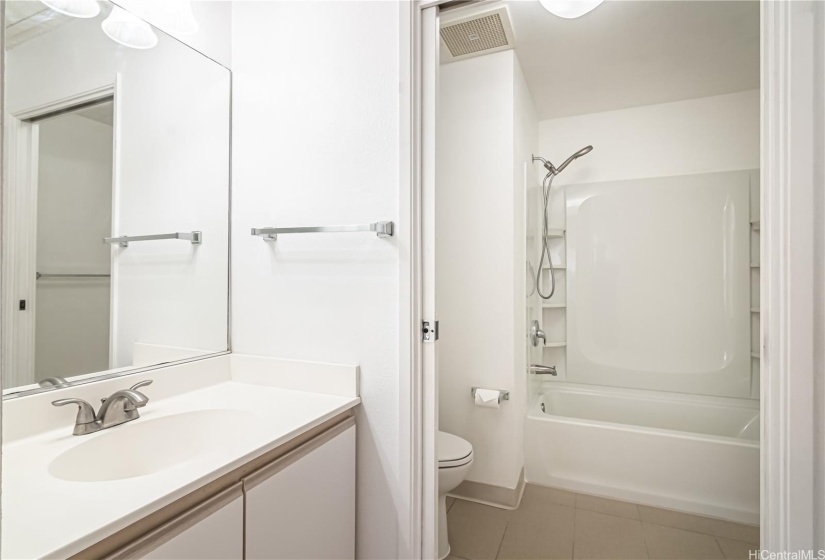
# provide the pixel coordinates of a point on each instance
(540, 369)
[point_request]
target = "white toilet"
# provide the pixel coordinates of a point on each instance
(455, 457)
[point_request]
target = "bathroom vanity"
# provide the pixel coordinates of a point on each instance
(232, 457)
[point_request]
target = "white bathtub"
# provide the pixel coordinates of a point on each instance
(682, 452)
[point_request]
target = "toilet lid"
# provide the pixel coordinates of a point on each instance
(453, 451)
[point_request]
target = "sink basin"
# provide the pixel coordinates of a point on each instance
(147, 446)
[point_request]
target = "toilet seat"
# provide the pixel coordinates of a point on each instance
(453, 451)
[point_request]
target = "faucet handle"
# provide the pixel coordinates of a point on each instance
(143, 383)
(53, 382)
(85, 411)
(135, 387)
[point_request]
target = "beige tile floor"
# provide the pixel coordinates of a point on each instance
(551, 523)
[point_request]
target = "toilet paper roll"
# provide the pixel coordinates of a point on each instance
(487, 398)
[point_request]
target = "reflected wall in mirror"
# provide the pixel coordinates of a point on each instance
(110, 135)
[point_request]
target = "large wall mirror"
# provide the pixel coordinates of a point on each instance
(115, 246)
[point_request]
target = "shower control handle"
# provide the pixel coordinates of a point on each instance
(536, 333)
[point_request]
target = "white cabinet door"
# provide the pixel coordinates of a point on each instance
(218, 536)
(303, 506)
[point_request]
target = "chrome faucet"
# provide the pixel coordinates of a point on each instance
(120, 407)
(540, 369)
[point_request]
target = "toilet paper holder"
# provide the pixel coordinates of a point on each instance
(502, 394)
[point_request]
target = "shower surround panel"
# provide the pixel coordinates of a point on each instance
(658, 284)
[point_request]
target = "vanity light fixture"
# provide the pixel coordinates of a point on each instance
(74, 8)
(570, 9)
(129, 30)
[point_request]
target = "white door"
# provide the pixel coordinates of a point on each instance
(429, 309)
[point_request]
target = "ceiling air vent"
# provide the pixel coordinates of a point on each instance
(482, 33)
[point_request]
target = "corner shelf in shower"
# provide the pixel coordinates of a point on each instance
(555, 345)
(555, 233)
(553, 305)
(755, 225)
(754, 265)
(755, 355)
(556, 266)
(754, 310)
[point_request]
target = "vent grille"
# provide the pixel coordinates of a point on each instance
(476, 35)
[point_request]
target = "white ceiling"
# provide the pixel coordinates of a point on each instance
(631, 53)
(17, 11)
(100, 112)
(27, 19)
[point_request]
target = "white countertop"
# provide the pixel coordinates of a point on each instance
(45, 516)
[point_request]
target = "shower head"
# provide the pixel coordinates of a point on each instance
(556, 170)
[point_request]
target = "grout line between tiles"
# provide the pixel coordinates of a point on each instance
(501, 542)
(644, 535)
(719, 546)
(573, 550)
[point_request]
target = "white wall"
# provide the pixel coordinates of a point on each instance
(703, 135)
(819, 283)
(315, 141)
(74, 201)
(486, 130)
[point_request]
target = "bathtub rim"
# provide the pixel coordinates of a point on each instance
(534, 411)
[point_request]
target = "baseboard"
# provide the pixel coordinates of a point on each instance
(489, 494)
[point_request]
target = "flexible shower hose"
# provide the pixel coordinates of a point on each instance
(545, 240)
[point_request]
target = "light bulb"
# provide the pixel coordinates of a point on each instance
(74, 8)
(129, 30)
(570, 9)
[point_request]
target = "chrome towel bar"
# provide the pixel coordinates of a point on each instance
(381, 229)
(195, 237)
(39, 275)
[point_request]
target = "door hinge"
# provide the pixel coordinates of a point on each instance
(429, 333)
